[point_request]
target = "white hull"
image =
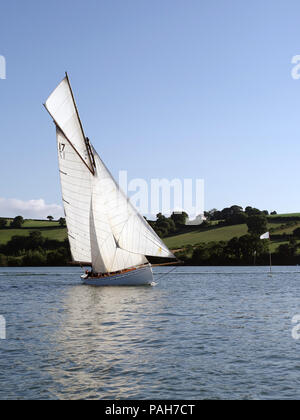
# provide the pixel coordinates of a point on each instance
(139, 277)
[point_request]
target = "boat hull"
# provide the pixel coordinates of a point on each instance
(140, 277)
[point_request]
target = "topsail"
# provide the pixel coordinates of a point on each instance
(104, 228)
(62, 108)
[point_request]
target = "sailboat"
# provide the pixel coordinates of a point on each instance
(105, 230)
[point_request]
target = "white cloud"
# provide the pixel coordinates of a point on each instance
(32, 209)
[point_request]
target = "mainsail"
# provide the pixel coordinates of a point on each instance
(104, 228)
(76, 194)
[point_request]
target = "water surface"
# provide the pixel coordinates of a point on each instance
(202, 332)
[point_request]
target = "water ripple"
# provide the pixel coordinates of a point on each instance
(202, 332)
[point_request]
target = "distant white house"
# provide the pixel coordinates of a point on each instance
(199, 219)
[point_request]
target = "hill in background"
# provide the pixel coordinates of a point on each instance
(49, 230)
(281, 227)
(188, 235)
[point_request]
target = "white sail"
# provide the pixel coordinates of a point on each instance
(104, 229)
(98, 236)
(62, 108)
(106, 255)
(76, 192)
(131, 231)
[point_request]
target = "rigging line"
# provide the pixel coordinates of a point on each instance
(165, 274)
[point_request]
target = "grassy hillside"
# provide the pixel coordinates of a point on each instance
(196, 235)
(50, 230)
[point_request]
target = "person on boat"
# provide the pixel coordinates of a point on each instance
(89, 273)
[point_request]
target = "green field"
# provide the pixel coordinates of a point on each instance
(50, 230)
(210, 234)
(225, 233)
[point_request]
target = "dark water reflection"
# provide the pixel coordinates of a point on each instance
(201, 333)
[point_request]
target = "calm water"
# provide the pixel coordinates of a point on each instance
(202, 332)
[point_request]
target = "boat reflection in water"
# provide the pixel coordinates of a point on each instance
(108, 343)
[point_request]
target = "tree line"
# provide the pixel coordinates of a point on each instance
(34, 250)
(235, 214)
(18, 222)
(255, 219)
(245, 250)
(165, 226)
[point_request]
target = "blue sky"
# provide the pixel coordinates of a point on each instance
(165, 88)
